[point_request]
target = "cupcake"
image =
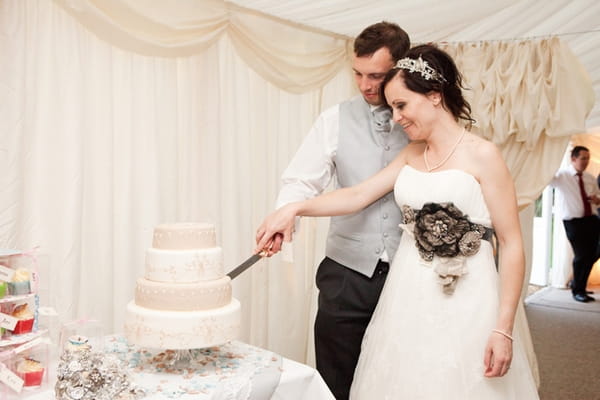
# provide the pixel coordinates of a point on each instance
(25, 317)
(31, 371)
(20, 283)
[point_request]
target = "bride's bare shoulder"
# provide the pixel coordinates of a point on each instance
(485, 159)
(482, 149)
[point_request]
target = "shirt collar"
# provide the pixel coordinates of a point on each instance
(572, 170)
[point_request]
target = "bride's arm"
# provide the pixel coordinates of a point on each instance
(500, 197)
(339, 202)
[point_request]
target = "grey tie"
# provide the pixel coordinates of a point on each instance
(382, 120)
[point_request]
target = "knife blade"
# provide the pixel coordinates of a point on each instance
(245, 265)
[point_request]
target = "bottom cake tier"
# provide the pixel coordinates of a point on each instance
(178, 330)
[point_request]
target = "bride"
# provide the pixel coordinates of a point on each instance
(443, 327)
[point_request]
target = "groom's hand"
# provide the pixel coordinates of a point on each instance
(277, 227)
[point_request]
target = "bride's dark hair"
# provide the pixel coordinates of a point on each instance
(449, 86)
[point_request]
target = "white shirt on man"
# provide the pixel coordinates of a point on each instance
(569, 203)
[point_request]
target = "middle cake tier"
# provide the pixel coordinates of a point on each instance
(182, 266)
(183, 296)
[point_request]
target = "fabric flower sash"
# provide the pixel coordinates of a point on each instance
(442, 230)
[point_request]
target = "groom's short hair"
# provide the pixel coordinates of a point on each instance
(382, 34)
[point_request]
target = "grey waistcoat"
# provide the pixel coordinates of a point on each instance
(358, 240)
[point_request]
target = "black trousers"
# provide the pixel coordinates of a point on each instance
(583, 234)
(347, 300)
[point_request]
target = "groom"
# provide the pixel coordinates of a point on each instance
(349, 142)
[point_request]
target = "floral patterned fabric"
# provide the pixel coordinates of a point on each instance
(442, 230)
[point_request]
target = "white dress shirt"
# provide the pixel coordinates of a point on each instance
(312, 169)
(568, 196)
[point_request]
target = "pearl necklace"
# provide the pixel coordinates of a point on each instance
(429, 169)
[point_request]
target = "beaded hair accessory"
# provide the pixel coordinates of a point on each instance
(422, 67)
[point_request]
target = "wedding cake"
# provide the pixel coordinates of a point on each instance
(184, 300)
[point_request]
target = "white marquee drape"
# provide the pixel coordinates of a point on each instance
(298, 61)
(528, 97)
(577, 23)
(504, 76)
(116, 119)
(99, 145)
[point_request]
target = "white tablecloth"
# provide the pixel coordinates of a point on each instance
(300, 382)
(296, 382)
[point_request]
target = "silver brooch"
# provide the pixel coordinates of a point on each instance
(84, 374)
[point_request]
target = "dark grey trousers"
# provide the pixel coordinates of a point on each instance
(583, 234)
(347, 300)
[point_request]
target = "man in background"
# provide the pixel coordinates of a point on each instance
(348, 143)
(576, 191)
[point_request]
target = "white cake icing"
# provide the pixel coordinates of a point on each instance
(179, 330)
(183, 296)
(184, 300)
(184, 265)
(183, 236)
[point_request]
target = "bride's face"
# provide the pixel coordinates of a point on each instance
(415, 112)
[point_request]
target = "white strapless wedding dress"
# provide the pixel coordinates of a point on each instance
(423, 344)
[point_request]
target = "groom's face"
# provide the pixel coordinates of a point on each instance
(369, 72)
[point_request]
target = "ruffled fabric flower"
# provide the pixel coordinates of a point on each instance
(442, 230)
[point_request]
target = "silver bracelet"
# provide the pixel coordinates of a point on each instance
(506, 335)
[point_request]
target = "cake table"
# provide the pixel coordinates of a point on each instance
(233, 371)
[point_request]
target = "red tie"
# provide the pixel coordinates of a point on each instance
(587, 209)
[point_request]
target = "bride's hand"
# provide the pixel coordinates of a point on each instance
(276, 227)
(498, 355)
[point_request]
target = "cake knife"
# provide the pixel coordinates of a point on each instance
(245, 265)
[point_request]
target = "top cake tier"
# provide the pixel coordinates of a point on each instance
(184, 236)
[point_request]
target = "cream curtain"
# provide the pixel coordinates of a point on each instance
(100, 144)
(528, 97)
(118, 115)
(300, 60)
(504, 76)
